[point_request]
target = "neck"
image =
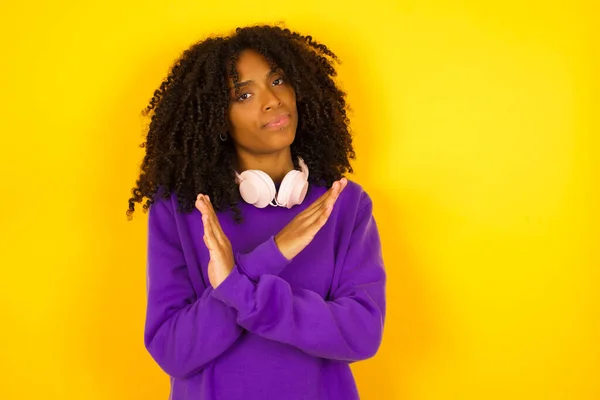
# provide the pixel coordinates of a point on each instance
(276, 165)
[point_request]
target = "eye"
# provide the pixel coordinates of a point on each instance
(242, 98)
(279, 80)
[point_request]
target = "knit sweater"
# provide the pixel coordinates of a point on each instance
(274, 328)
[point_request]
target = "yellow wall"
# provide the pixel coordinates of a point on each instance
(473, 126)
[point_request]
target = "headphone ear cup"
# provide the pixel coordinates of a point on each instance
(293, 189)
(298, 193)
(256, 188)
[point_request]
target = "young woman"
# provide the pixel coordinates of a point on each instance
(265, 274)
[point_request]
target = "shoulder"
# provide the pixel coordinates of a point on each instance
(354, 199)
(353, 208)
(163, 205)
(353, 191)
(356, 193)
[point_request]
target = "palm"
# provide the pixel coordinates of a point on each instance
(212, 268)
(301, 231)
(218, 245)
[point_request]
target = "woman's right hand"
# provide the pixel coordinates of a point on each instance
(302, 229)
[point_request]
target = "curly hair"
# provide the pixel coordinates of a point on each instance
(183, 150)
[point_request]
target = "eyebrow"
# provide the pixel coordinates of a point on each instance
(246, 83)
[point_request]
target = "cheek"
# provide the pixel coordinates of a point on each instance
(291, 95)
(239, 120)
(292, 100)
(233, 118)
(240, 125)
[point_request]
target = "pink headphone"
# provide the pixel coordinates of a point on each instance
(257, 188)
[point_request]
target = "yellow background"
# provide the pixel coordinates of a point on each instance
(474, 126)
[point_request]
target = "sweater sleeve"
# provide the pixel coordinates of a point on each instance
(348, 327)
(264, 259)
(183, 331)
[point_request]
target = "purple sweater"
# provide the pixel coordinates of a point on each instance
(273, 329)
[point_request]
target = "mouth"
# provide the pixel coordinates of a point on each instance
(278, 122)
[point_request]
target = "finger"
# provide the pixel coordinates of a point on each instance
(318, 220)
(208, 233)
(216, 225)
(310, 214)
(335, 194)
(324, 217)
(336, 188)
(206, 242)
(317, 203)
(320, 216)
(203, 205)
(321, 200)
(326, 212)
(212, 210)
(208, 221)
(313, 223)
(211, 226)
(200, 204)
(212, 235)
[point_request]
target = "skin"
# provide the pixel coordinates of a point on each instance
(263, 96)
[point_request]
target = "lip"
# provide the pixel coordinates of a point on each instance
(278, 121)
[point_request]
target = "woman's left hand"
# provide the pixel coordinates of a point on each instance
(221, 254)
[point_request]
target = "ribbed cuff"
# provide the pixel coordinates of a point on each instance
(265, 259)
(236, 291)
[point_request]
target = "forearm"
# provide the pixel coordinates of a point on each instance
(184, 340)
(349, 328)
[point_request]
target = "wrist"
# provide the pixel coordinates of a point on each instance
(283, 248)
(266, 258)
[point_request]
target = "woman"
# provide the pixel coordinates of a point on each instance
(265, 274)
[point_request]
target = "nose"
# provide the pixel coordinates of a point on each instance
(271, 100)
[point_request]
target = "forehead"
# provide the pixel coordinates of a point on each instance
(250, 63)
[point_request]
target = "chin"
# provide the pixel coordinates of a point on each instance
(278, 145)
(288, 139)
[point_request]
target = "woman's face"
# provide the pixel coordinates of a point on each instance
(263, 118)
